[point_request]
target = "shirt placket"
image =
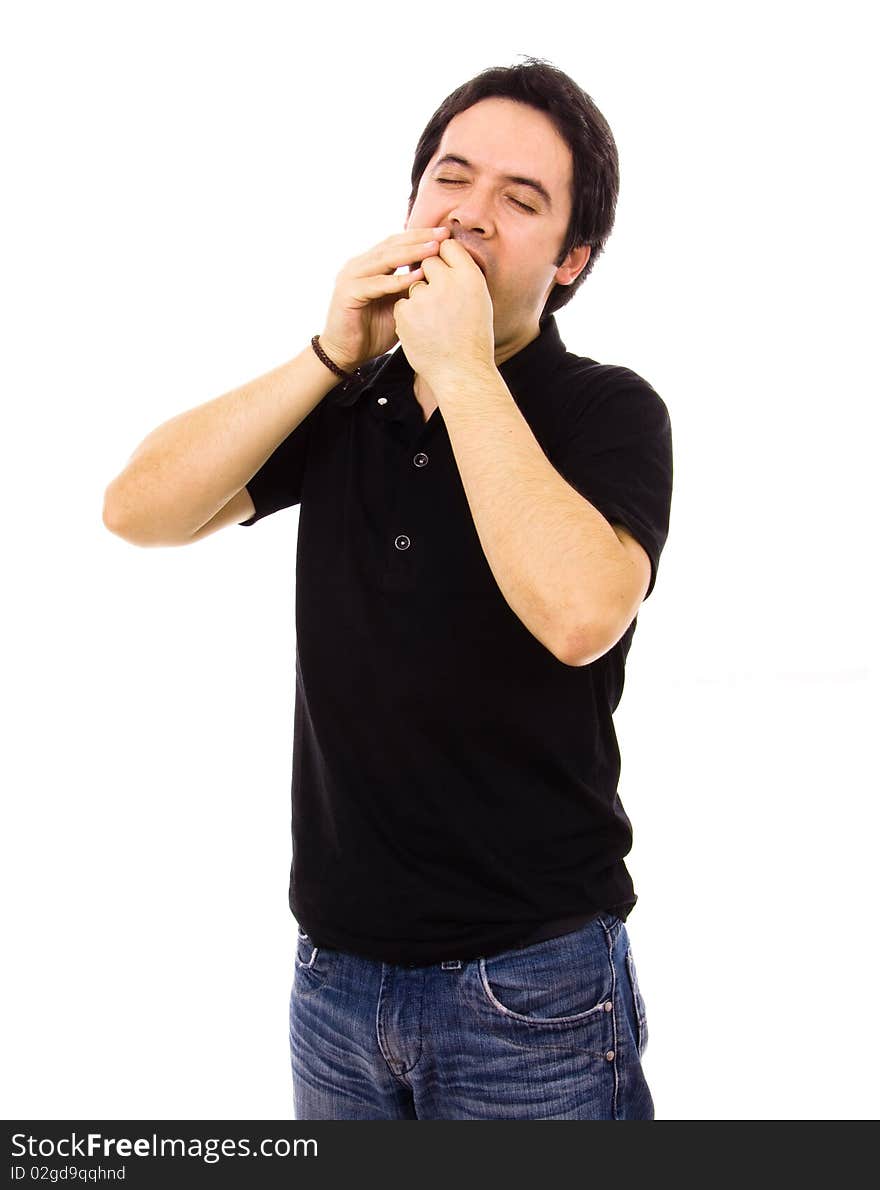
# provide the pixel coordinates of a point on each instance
(404, 542)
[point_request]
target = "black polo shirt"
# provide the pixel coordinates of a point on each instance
(454, 786)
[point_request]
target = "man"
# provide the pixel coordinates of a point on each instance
(482, 514)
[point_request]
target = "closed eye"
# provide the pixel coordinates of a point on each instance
(458, 182)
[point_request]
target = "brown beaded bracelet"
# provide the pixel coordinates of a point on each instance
(325, 359)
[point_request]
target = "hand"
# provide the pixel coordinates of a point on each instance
(447, 323)
(360, 321)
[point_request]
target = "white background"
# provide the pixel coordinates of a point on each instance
(182, 183)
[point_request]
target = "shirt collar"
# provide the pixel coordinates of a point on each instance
(520, 373)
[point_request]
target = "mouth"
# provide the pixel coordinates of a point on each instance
(476, 259)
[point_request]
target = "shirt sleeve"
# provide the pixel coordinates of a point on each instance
(278, 483)
(618, 455)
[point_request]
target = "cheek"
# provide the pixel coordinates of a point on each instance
(425, 214)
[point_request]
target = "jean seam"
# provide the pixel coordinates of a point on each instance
(612, 940)
(638, 1003)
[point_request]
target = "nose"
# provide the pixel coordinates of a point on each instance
(472, 211)
(467, 220)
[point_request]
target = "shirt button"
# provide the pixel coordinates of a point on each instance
(610, 1055)
(402, 542)
(420, 459)
(381, 400)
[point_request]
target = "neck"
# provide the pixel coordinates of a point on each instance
(506, 348)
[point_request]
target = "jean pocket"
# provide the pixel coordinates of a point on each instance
(564, 981)
(638, 1003)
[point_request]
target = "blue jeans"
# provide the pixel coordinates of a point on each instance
(553, 1031)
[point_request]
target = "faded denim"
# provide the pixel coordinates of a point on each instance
(553, 1031)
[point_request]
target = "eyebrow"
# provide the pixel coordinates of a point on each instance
(532, 183)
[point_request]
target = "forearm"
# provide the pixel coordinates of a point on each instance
(191, 466)
(551, 552)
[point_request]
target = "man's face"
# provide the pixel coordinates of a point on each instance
(510, 227)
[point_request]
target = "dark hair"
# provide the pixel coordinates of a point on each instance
(595, 172)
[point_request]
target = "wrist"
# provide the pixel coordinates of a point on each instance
(339, 358)
(454, 374)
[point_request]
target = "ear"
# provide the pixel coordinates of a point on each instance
(573, 264)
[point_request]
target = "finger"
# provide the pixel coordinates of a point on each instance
(453, 248)
(432, 265)
(409, 253)
(385, 258)
(415, 236)
(420, 233)
(368, 289)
